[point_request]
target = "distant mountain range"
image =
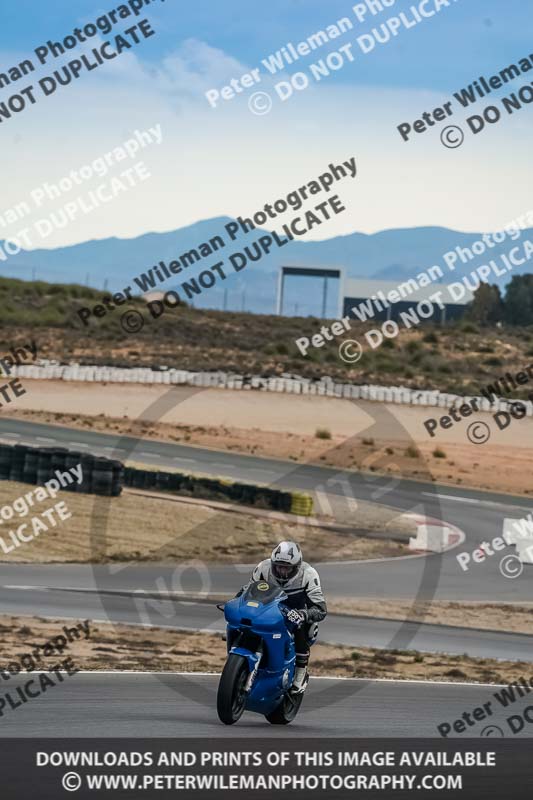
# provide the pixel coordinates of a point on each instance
(388, 255)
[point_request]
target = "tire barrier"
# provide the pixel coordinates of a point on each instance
(105, 476)
(44, 466)
(291, 384)
(302, 504)
(248, 494)
(36, 465)
(5, 461)
(31, 466)
(16, 471)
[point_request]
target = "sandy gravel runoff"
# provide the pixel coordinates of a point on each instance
(517, 618)
(270, 411)
(124, 648)
(364, 435)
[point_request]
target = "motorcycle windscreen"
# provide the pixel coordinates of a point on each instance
(263, 592)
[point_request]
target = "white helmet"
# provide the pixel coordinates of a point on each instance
(285, 559)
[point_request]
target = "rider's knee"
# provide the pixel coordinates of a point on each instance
(311, 633)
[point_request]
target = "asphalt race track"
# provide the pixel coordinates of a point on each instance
(136, 608)
(478, 514)
(144, 705)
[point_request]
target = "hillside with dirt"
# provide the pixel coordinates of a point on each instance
(460, 358)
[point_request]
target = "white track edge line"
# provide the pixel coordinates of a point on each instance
(313, 677)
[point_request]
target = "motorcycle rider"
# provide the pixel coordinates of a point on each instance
(301, 582)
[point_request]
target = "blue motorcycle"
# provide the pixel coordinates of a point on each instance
(260, 666)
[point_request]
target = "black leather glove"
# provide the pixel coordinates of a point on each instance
(317, 612)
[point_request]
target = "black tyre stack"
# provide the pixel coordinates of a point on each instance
(71, 461)
(285, 502)
(163, 481)
(87, 466)
(211, 488)
(102, 477)
(59, 463)
(37, 465)
(106, 477)
(132, 478)
(31, 465)
(16, 473)
(150, 479)
(6, 454)
(44, 466)
(118, 478)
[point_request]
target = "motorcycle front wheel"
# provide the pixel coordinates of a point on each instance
(231, 698)
(287, 709)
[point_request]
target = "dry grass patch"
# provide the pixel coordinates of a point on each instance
(124, 647)
(480, 616)
(134, 527)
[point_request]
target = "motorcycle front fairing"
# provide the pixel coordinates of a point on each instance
(256, 630)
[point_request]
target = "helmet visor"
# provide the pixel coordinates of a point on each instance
(283, 571)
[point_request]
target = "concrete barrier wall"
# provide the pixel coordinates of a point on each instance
(325, 387)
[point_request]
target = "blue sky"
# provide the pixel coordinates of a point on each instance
(228, 161)
(473, 35)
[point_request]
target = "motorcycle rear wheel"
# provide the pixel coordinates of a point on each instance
(231, 698)
(287, 710)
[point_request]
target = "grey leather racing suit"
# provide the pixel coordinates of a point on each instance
(304, 592)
